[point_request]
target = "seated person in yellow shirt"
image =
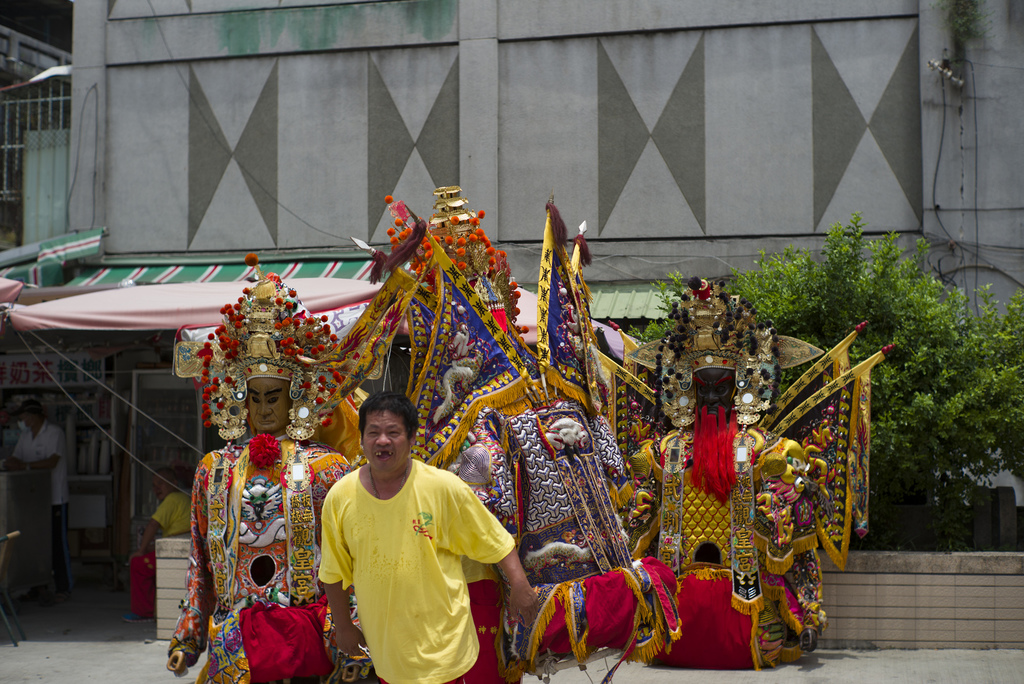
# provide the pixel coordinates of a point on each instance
(171, 518)
(396, 530)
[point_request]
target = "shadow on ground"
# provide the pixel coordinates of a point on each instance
(91, 614)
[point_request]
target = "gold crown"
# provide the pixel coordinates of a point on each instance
(715, 330)
(457, 230)
(265, 334)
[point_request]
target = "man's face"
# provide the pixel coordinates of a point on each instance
(386, 444)
(161, 487)
(269, 404)
(33, 420)
(715, 387)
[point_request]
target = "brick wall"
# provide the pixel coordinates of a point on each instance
(884, 599)
(925, 600)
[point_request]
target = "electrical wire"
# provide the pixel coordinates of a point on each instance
(92, 90)
(99, 427)
(999, 66)
(943, 278)
(110, 389)
(977, 153)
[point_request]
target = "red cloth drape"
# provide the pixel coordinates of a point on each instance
(610, 607)
(714, 635)
(485, 603)
(142, 577)
(282, 643)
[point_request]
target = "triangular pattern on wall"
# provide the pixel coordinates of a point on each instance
(255, 153)
(208, 154)
(623, 135)
(438, 142)
(840, 123)
(870, 184)
(390, 142)
(896, 125)
(388, 145)
(680, 135)
(863, 53)
(837, 126)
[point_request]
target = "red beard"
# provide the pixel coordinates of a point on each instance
(713, 469)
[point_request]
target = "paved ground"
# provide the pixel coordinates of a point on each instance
(84, 640)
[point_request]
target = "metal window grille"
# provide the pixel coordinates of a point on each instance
(29, 115)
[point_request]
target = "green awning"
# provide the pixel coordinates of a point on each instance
(358, 269)
(629, 300)
(40, 263)
(71, 246)
(39, 273)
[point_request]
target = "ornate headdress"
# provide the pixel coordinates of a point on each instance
(265, 334)
(716, 330)
(456, 229)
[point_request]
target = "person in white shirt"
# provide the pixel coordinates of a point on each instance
(42, 445)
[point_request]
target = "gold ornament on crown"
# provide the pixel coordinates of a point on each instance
(265, 334)
(716, 330)
(456, 228)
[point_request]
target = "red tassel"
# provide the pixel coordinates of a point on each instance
(581, 245)
(557, 224)
(713, 470)
(407, 249)
(377, 270)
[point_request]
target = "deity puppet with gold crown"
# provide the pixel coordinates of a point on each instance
(254, 600)
(736, 497)
(526, 431)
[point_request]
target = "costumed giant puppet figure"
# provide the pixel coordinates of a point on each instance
(527, 433)
(737, 496)
(254, 599)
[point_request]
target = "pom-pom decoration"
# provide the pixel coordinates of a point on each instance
(264, 450)
(457, 230)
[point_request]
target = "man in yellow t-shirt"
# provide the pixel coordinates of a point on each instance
(396, 530)
(170, 518)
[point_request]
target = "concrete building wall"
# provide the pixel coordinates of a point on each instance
(973, 144)
(688, 135)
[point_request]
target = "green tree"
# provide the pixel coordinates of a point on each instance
(944, 402)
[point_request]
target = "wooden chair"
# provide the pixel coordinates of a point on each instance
(5, 597)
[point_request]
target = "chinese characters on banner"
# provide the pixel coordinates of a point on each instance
(24, 371)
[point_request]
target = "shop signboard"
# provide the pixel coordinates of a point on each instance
(24, 370)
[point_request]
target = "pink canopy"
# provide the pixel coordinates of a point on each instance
(174, 306)
(169, 307)
(9, 290)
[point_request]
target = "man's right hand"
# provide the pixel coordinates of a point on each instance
(176, 663)
(348, 639)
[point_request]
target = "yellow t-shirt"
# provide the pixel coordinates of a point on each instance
(403, 556)
(173, 514)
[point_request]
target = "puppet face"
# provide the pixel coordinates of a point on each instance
(715, 387)
(269, 404)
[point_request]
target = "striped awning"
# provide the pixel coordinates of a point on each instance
(40, 263)
(38, 273)
(71, 246)
(222, 273)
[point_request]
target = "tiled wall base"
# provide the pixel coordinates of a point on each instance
(171, 564)
(884, 599)
(925, 600)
